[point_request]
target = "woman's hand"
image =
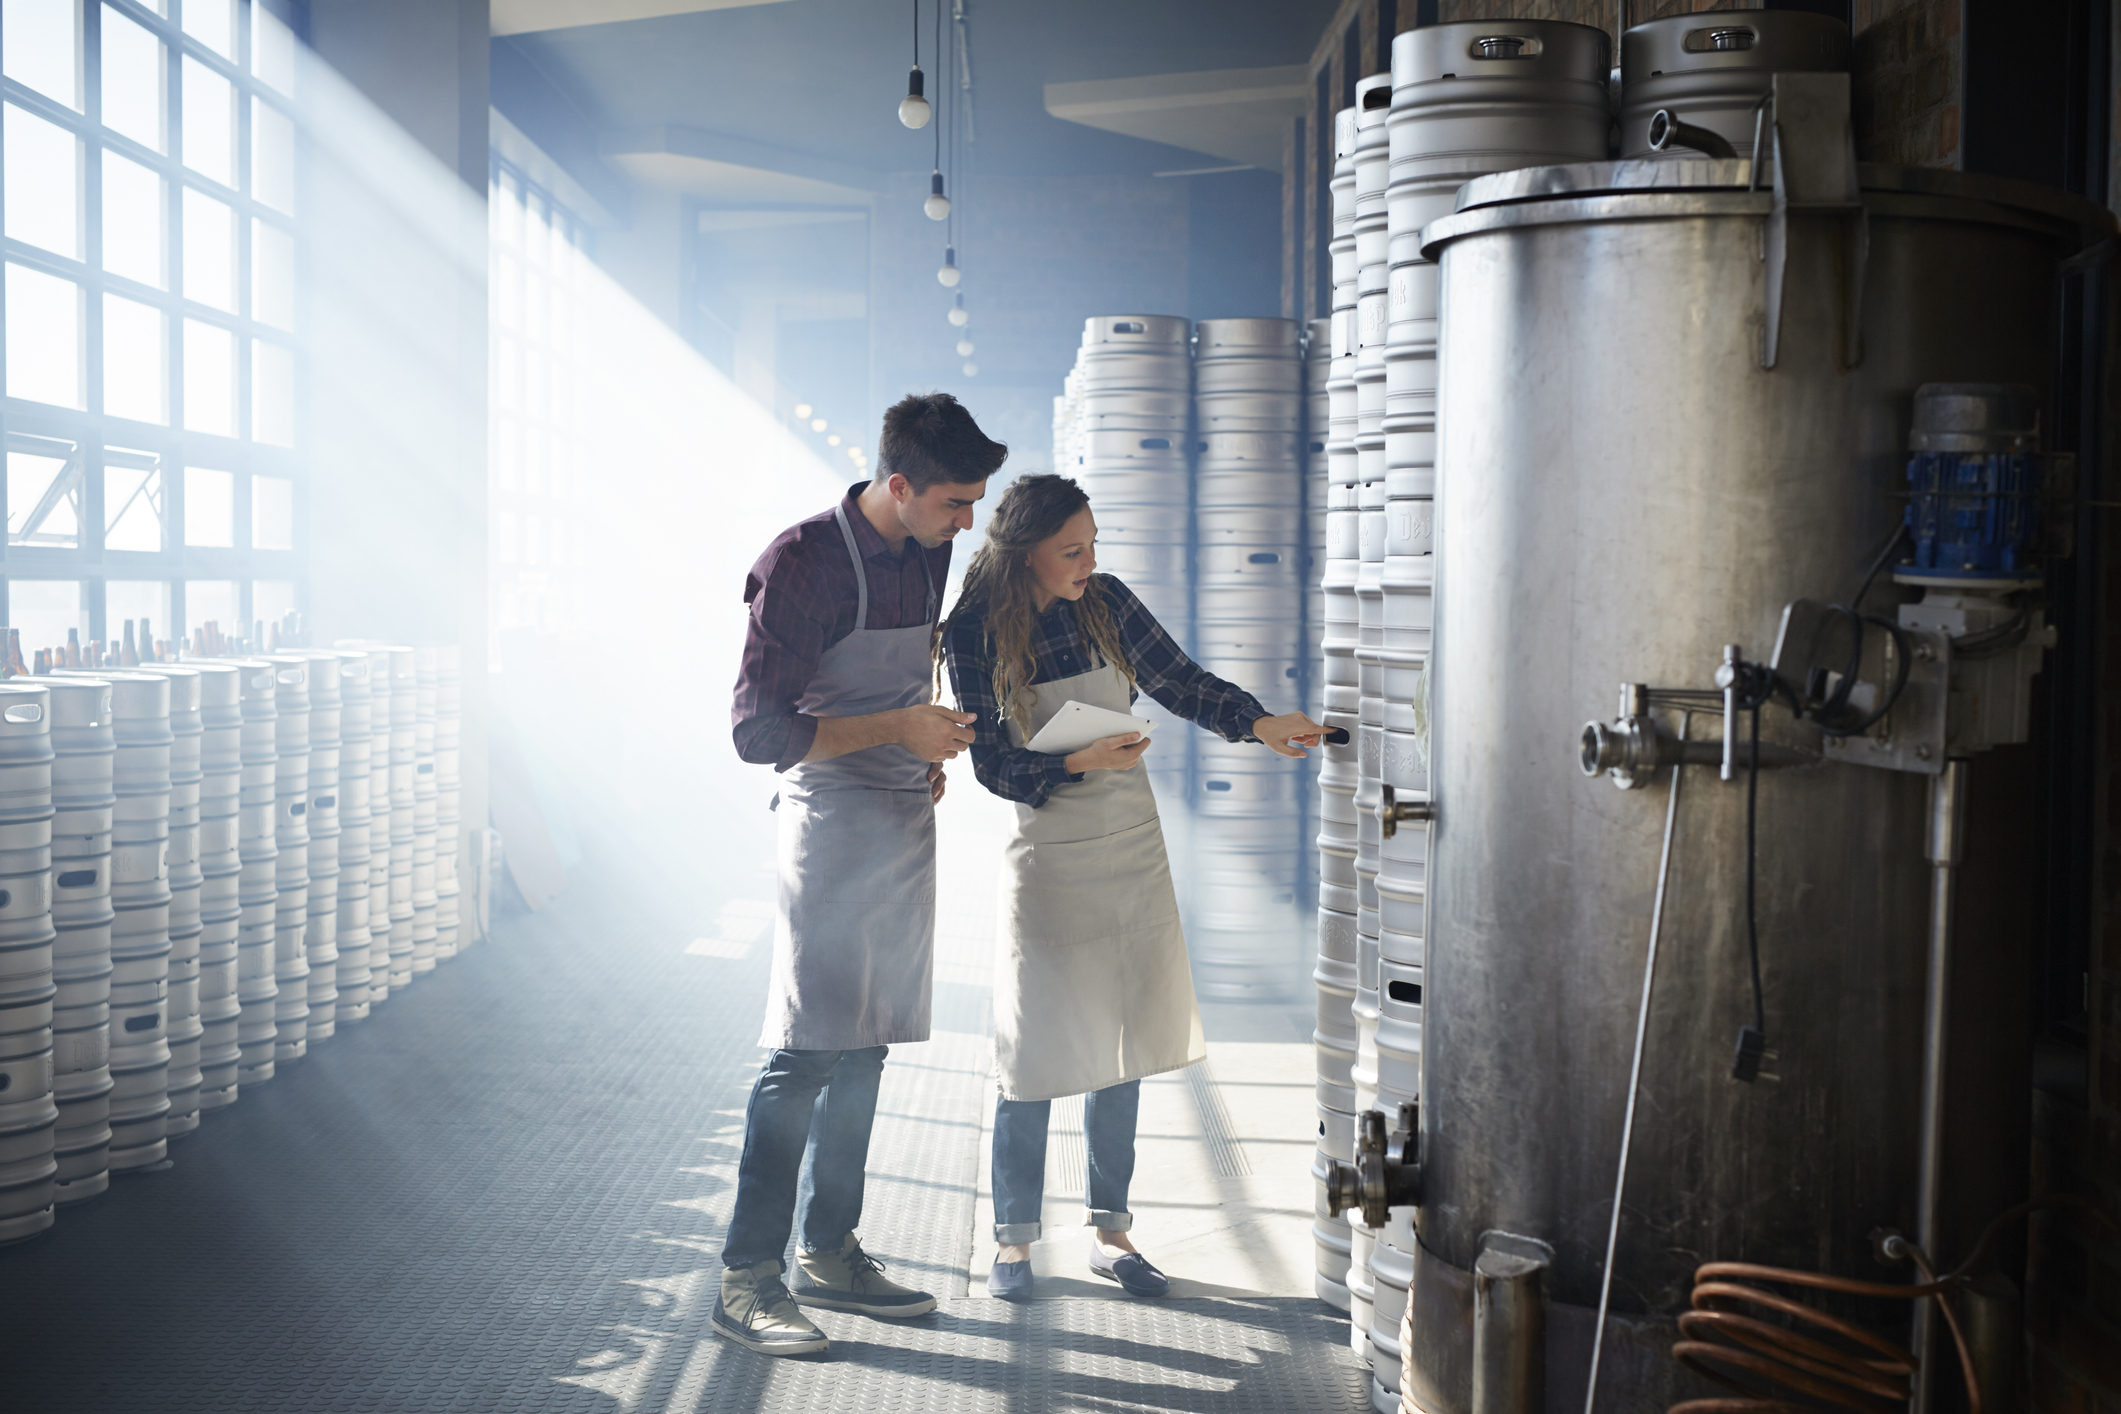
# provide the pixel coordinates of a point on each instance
(936, 781)
(1113, 753)
(1289, 733)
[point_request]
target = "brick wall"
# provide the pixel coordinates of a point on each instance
(1909, 78)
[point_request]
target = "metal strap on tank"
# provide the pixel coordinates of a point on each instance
(861, 576)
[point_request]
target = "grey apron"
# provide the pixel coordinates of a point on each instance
(854, 939)
(1091, 986)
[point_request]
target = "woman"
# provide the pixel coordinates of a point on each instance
(1092, 991)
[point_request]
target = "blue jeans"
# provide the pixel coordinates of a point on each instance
(1020, 1161)
(820, 1101)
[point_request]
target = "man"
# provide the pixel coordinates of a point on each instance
(834, 692)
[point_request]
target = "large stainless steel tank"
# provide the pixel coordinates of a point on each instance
(1624, 489)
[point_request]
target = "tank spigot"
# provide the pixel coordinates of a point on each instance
(1386, 1173)
(1391, 810)
(1668, 131)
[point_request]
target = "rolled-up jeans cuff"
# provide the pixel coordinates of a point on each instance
(1109, 1222)
(1015, 1234)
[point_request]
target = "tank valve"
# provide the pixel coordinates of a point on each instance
(1386, 1173)
(1634, 748)
(1391, 811)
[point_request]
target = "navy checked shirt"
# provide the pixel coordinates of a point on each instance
(1061, 649)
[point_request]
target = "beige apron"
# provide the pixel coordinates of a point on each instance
(854, 943)
(1091, 986)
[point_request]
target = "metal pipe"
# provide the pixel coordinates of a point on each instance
(1510, 1327)
(1945, 847)
(1627, 1123)
(1668, 131)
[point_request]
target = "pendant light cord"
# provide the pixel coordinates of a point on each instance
(938, 59)
(917, 33)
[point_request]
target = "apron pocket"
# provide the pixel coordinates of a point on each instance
(1079, 892)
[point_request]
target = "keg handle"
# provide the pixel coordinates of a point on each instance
(1391, 811)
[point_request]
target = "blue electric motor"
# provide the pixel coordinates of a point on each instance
(1974, 482)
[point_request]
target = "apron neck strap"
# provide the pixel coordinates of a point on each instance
(861, 575)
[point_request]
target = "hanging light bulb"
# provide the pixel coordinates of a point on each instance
(964, 348)
(949, 274)
(937, 205)
(913, 109)
(833, 440)
(817, 424)
(971, 369)
(802, 409)
(958, 314)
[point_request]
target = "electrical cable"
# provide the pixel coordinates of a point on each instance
(1885, 553)
(2001, 638)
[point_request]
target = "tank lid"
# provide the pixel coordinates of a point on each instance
(1729, 177)
(1975, 417)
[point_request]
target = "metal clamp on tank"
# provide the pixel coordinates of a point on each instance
(1386, 1173)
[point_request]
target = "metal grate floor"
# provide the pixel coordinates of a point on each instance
(506, 1189)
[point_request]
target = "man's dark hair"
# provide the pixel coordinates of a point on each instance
(930, 438)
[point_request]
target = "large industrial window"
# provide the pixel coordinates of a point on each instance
(539, 250)
(149, 202)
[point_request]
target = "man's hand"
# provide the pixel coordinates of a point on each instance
(934, 733)
(1289, 733)
(1113, 753)
(936, 782)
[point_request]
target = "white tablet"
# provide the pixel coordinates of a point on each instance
(1078, 724)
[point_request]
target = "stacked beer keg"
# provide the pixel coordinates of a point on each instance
(426, 938)
(1318, 421)
(1133, 405)
(1248, 630)
(320, 939)
(1372, 105)
(1335, 973)
(449, 810)
(140, 902)
(186, 925)
(220, 879)
(290, 676)
(29, 1112)
(1467, 99)
(167, 925)
(406, 959)
(356, 733)
(389, 946)
(1318, 417)
(257, 848)
(84, 797)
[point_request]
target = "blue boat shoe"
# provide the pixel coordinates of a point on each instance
(1010, 1281)
(1134, 1272)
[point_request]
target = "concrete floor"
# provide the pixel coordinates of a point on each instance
(506, 1191)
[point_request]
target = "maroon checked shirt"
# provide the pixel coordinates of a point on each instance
(803, 596)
